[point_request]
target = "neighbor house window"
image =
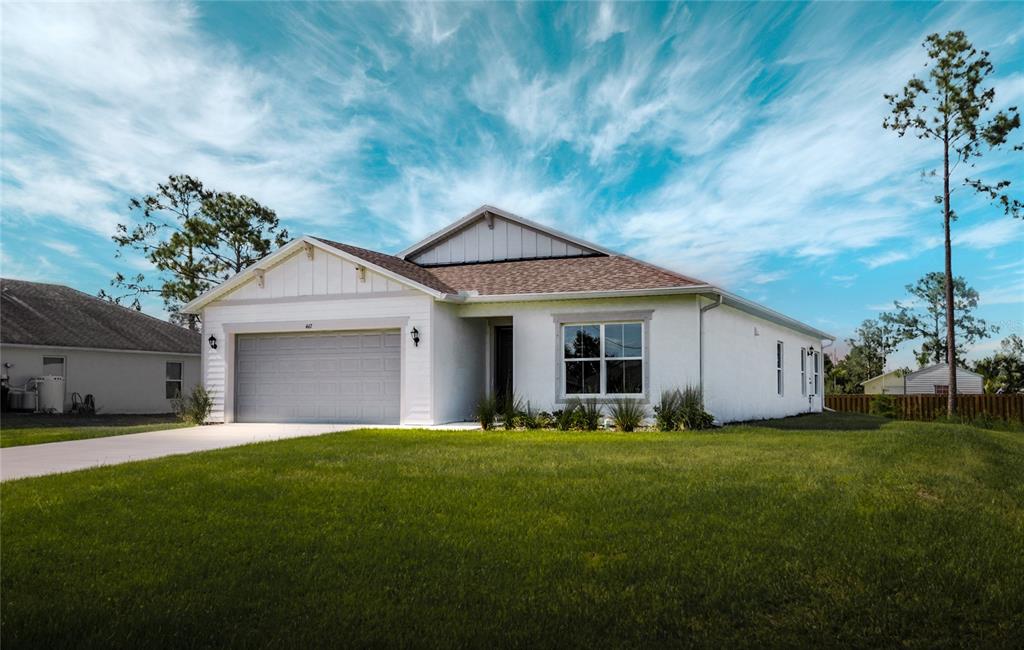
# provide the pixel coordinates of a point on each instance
(172, 380)
(53, 366)
(803, 371)
(603, 358)
(778, 366)
(817, 373)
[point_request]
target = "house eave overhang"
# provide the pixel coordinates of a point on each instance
(704, 290)
(286, 251)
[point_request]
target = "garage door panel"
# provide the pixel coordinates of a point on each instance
(336, 377)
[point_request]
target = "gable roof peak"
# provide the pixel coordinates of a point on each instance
(486, 210)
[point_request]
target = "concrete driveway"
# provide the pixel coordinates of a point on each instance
(57, 457)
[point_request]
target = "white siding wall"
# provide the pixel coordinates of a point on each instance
(460, 363)
(739, 368)
(507, 240)
(324, 275)
(673, 352)
(120, 382)
(924, 381)
(338, 301)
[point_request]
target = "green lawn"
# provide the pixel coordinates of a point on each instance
(869, 533)
(17, 436)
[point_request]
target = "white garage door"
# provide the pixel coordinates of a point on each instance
(322, 377)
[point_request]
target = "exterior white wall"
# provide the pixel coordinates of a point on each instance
(507, 240)
(888, 384)
(923, 382)
(673, 357)
(120, 382)
(739, 368)
(460, 363)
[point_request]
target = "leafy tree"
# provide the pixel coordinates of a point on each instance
(924, 318)
(171, 234)
(1004, 370)
(873, 342)
(194, 237)
(242, 232)
(948, 106)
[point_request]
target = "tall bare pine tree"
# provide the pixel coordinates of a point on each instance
(952, 105)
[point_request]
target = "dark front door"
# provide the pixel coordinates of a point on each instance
(502, 361)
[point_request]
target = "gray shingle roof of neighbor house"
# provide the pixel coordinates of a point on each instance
(34, 313)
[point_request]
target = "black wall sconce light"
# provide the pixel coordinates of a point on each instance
(415, 334)
(212, 341)
(810, 351)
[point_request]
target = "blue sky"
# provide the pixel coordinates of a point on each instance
(741, 144)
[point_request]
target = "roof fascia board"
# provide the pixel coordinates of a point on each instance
(286, 251)
(479, 212)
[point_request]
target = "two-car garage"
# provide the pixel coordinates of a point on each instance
(340, 376)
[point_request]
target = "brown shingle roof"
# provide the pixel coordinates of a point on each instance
(554, 275)
(406, 269)
(33, 313)
(593, 273)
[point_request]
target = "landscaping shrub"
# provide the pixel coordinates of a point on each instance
(588, 415)
(194, 408)
(531, 419)
(667, 411)
(691, 410)
(566, 419)
(885, 405)
(486, 412)
(511, 408)
(628, 414)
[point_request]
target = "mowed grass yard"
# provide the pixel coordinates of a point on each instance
(868, 533)
(17, 429)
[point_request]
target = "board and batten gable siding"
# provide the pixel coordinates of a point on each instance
(326, 294)
(507, 240)
(740, 380)
(324, 275)
(923, 382)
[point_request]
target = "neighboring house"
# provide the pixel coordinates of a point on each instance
(129, 362)
(325, 331)
(889, 383)
(933, 380)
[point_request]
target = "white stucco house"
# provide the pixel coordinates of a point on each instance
(931, 380)
(128, 361)
(325, 331)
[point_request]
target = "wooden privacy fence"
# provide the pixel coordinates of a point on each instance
(928, 407)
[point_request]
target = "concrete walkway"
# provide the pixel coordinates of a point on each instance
(57, 457)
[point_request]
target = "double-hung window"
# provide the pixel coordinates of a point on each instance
(172, 379)
(778, 366)
(603, 358)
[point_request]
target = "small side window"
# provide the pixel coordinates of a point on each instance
(778, 366)
(803, 371)
(172, 380)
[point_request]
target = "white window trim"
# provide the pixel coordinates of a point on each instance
(602, 360)
(602, 319)
(180, 382)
